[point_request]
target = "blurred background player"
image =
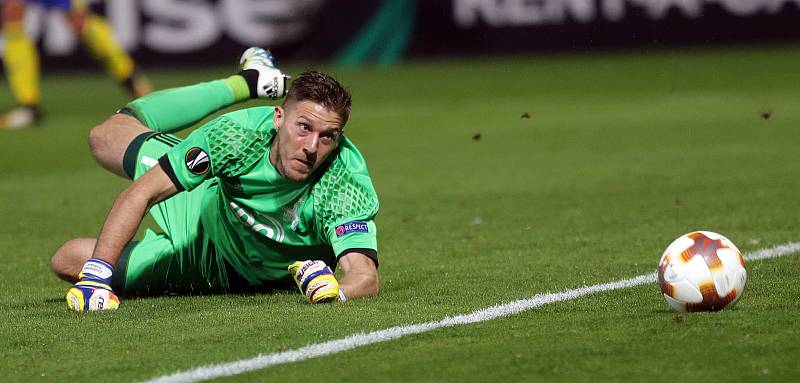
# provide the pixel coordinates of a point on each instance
(21, 60)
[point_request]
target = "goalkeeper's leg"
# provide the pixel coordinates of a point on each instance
(171, 110)
(163, 111)
(68, 260)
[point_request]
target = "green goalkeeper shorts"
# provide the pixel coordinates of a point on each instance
(180, 259)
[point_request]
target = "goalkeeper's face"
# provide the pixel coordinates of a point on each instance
(307, 134)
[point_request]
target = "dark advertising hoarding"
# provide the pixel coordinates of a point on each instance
(353, 31)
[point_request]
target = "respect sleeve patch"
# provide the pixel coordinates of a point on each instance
(364, 236)
(352, 227)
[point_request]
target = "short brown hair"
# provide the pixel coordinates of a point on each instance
(322, 89)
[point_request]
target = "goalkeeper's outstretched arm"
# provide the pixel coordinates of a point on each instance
(128, 211)
(93, 289)
(360, 277)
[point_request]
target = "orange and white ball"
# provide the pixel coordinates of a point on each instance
(702, 271)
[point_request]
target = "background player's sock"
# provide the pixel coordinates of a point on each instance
(137, 85)
(22, 64)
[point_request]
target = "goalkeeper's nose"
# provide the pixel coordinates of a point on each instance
(311, 144)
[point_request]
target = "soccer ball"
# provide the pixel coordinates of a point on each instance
(701, 271)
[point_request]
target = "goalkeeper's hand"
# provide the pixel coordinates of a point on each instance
(315, 279)
(93, 291)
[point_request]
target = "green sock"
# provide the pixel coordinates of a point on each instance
(171, 110)
(239, 86)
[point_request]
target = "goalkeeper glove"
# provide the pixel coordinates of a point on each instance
(263, 79)
(93, 291)
(316, 281)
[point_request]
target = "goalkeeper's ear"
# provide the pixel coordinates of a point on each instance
(277, 117)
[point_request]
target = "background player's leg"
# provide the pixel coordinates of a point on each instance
(98, 37)
(22, 67)
(70, 257)
(110, 140)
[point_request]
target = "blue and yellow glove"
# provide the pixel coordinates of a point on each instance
(315, 279)
(93, 291)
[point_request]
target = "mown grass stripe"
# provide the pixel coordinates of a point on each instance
(361, 339)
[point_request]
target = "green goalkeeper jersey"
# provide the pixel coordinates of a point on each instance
(260, 222)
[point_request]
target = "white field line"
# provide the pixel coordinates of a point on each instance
(361, 339)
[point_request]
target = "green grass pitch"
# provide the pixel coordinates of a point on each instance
(499, 179)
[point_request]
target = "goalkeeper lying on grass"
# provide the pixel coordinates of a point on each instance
(254, 200)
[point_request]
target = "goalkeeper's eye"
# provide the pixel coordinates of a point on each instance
(329, 138)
